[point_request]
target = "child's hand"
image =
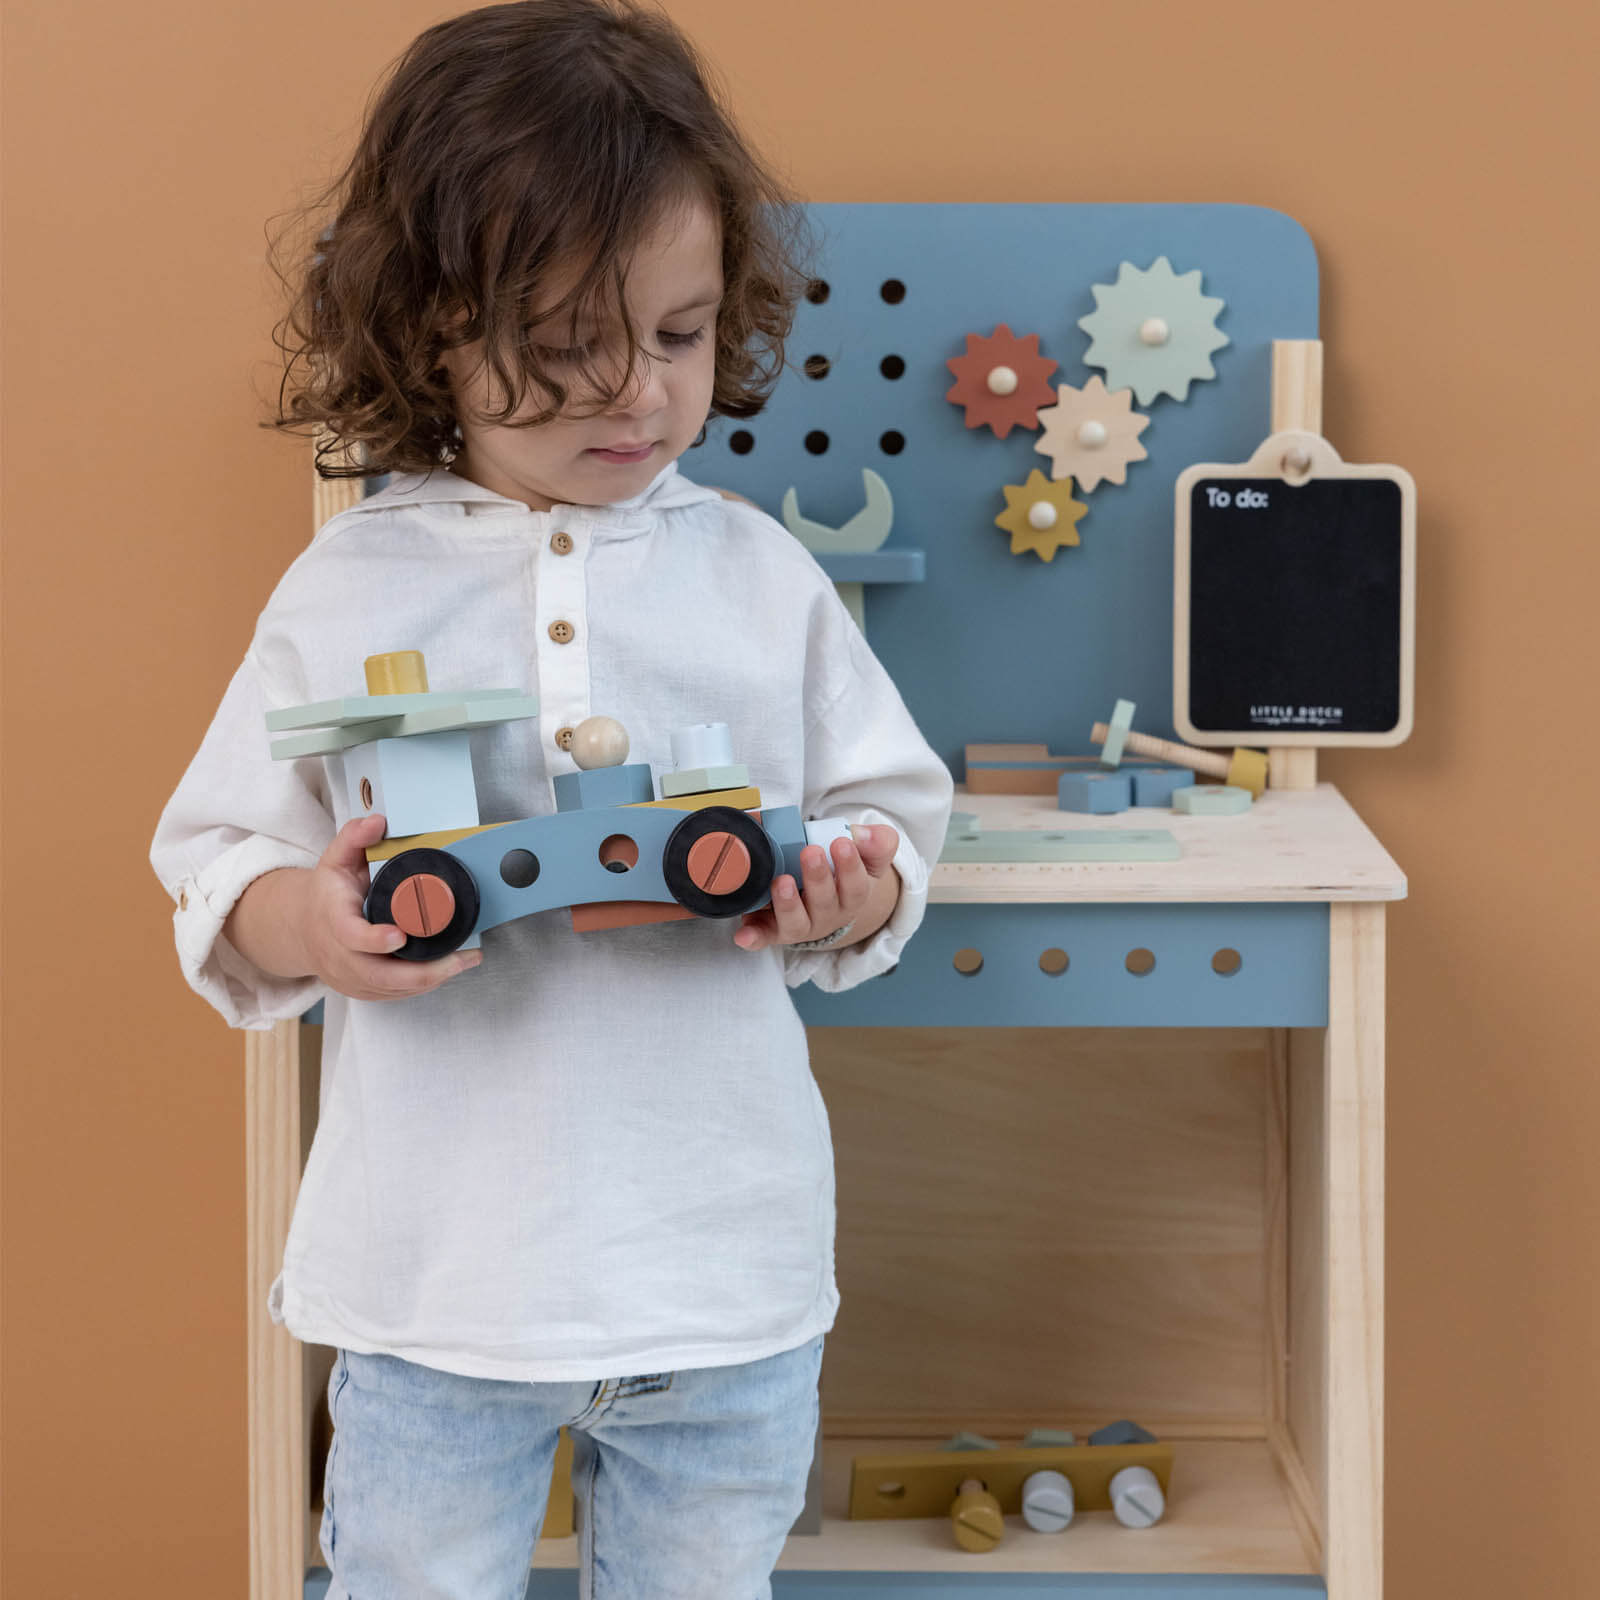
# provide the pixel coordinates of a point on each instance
(346, 951)
(862, 889)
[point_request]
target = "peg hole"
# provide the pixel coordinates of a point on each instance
(817, 442)
(892, 367)
(741, 442)
(817, 292)
(817, 366)
(366, 793)
(892, 442)
(519, 868)
(618, 853)
(893, 291)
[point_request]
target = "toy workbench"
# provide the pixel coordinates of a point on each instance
(1110, 1137)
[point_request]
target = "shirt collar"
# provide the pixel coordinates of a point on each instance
(443, 492)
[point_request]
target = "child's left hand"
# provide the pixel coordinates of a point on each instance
(862, 888)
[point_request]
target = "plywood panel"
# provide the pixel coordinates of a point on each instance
(1041, 1225)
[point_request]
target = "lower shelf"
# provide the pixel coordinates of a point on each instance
(1230, 1530)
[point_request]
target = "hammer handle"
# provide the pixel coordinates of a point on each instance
(1180, 755)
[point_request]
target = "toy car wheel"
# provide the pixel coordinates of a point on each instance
(719, 862)
(431, 897)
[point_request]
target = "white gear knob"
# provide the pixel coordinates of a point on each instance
(1001, 380)
(1042, 515)
(1154, 330)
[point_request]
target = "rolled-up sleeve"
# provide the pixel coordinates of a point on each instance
(867, 762)
(276, 816)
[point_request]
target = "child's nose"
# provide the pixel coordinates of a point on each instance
(646, 388)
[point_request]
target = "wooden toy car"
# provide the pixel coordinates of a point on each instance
(614, 851)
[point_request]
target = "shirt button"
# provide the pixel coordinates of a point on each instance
(562, 632)
(564, 737)
(561, 543)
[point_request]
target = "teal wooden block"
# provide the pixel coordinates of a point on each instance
(421, 785)
(604, 786)
(1069, 844)
(701, 780)
(1097, 793)
(1155, 786)
(1211, 800)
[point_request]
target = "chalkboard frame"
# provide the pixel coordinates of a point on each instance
(1295, 457)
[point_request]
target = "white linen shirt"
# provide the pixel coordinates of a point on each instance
(597, 1154)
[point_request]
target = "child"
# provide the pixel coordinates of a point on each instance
(589, 1183)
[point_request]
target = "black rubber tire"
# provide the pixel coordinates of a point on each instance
(756, 888)
(439, 864)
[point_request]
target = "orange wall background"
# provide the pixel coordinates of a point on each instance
(1445, 167)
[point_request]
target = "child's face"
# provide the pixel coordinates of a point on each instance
(673, 290)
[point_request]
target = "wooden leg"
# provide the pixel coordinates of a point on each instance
(1354, 1113)
(278, 1462)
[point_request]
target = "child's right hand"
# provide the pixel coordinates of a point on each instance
(350, 954)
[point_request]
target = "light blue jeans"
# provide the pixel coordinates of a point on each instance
(685, 1484)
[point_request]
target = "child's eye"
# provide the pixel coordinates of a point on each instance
(683, 341)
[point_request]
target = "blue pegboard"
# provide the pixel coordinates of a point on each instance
(992, 646)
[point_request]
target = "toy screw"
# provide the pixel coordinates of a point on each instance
(975, 1518)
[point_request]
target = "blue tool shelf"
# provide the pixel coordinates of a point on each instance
(1280, 980)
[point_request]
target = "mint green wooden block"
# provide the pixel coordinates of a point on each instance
(447, 714)
(352, 708)
(701, 780)
(1080, 844)
(1211, 800)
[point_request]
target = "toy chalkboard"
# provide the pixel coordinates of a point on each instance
(1294, 599)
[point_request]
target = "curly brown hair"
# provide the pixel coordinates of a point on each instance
(504, 143)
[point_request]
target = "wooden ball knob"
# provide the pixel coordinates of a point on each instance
(975, 1518)
(1041, 514)
(1001, 380)
(1092, 434)
(1154, 330)
(599, 742)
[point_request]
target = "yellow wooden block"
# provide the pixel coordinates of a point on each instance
(384, 848)
(924, 1483)
(558, 1522)
(1247, 769)
(741, 799)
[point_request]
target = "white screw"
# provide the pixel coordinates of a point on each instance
(1154, 330)
(1136, 1497)
(1001, 380)
(1047, 1501)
